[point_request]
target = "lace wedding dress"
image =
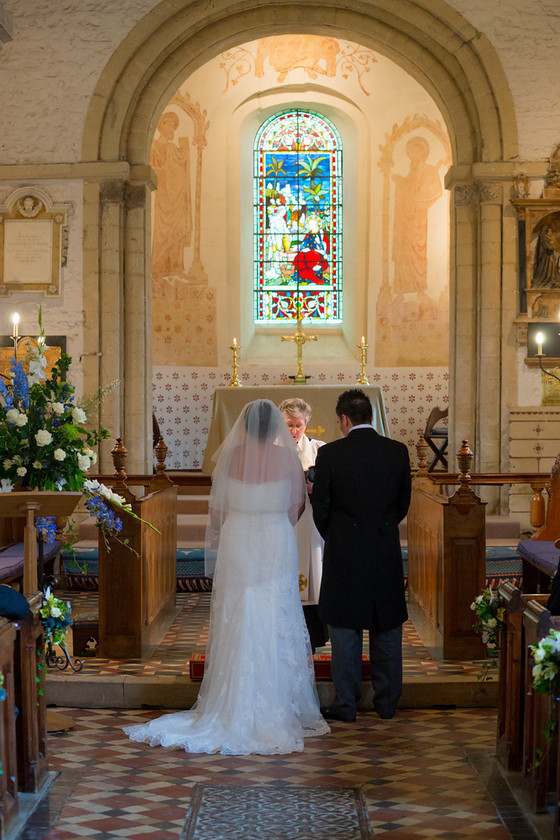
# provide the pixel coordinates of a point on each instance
(258, 694)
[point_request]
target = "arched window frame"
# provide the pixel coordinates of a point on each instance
(297, 171)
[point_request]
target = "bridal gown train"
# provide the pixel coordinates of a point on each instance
(258, 694)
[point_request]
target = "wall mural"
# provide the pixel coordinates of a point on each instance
(412, 311)
(317, 56)
(183, 305)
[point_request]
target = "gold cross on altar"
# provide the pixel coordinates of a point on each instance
(299, 338)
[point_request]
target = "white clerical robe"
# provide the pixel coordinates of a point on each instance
(309, 542)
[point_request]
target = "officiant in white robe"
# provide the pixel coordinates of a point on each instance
(297, 414)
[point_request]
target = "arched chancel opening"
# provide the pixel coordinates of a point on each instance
(440, 49)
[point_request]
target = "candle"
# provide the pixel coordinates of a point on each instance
(363, 340)
(15, 322)
(539, 338)
(235, 342)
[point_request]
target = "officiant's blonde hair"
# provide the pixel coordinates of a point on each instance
(296, 407)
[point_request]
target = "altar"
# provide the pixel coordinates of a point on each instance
(228, 402)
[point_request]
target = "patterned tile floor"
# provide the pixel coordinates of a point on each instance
(425, 774)
(188, 635)
(428, 773)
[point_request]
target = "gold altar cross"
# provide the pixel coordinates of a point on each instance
(299, 338)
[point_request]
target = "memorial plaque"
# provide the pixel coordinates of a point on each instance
(33, 242)
(28, 249)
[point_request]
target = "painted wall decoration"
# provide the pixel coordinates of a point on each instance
(183, 401)
(183, 305)
(412, 309)
(298, 219)
(316, 55)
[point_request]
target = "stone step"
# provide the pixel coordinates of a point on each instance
(193, 503)
(191, 527)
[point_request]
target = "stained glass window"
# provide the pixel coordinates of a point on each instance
(297, 219)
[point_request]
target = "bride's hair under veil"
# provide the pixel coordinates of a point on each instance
(259, 449)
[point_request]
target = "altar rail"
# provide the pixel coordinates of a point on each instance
(137, 570)
(23, 737)
(447, 541)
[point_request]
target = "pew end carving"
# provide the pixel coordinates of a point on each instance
(446, 559)
(137, 571)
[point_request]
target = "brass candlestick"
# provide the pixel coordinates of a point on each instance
(235, 383)
(363, 380)
(299, 338)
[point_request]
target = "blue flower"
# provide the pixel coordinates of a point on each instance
(20, 386)
(46, 525)
(107, 520)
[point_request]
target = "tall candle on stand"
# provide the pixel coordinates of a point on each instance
(235, 381)
(15, 332)
(363, 346)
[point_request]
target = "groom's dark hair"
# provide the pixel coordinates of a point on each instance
(262, 428)
(355, 405)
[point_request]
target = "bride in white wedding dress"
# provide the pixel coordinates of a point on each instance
(258, 694)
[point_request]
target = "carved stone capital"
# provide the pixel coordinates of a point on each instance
(136, 195)
(111, 192)
(490, 192)
(466, 195)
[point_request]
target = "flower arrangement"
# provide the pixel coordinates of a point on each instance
(44, 444)
(55, 618)
(490, 623)
(546, 670)
(490, 614)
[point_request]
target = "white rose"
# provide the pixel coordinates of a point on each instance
(21, 420)
(538, 655)
(491, 622)
(7, 463)
(21, 471)
(55, 612)
(11, 415)
(59, 454)
(43, 437)
(78, 416)
(37, 465)
(84, 462)
(58, 408)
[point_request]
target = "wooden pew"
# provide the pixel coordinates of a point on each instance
(8, 751)
(137, 580)
(447, 559)
(539, 763)
(31, 723)
(511, 684)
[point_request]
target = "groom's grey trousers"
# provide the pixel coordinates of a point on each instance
(385, 658)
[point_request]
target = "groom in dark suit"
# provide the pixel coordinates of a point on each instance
(360, 494)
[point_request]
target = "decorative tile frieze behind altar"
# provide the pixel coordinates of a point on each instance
(183, 401)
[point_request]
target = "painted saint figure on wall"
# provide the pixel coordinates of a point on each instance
(172, 225)
(414, 195)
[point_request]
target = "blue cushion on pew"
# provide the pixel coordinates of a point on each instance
(541, 553)
(11, 559)
(81, 569)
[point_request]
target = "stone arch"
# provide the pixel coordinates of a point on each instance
(430, 40)
(454, 62)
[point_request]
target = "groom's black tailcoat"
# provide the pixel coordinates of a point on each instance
(360, 494)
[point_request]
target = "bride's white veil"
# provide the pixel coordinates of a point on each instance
(258, 449)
